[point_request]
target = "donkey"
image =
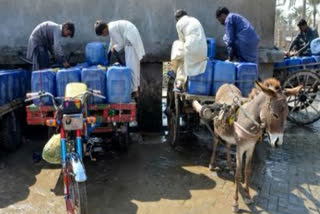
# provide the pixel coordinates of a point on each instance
(271, 83)
(268, 109)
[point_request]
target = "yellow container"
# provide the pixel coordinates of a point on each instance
(75, 89)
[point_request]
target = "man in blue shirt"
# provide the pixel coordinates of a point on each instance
(241, 39)
(301, 43)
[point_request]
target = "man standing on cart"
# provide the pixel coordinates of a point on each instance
(124, 35)
(189, 53)
(300, 46)
(241, 39)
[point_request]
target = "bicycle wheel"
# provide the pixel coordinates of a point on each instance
(76, 202)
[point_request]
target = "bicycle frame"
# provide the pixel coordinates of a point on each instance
(75, 160)
(73, 169)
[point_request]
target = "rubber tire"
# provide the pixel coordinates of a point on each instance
(174, 127)
(124, 140)
(83, 197)
(10, 140)
(82, 190)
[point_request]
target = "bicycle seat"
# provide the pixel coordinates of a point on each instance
(75, 89)
(70, 105)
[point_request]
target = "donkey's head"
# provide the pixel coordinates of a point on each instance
(274, 109)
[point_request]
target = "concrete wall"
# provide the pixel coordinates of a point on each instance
(154, 19)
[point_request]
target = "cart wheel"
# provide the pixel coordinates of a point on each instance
(191, 123)
(174, 122)
(10, 135)
(304, 108)
(169, 105)
(281, 75)
(123, 142)
(123, 139)
(170, 99)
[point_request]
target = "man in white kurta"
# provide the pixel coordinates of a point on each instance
(124, 35)
(189, 53)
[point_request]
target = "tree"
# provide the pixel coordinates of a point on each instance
(283, 2)
(280, 19)
(293, 3)
(304, 9)
(314, 4)
(297, 14)
(280, 24)
(280, 2)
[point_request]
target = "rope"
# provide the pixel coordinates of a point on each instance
(120, 112)
(237, 101)
(208, 127)
(41, 103)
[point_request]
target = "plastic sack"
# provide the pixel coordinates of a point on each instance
(51, 151)
(315, 46)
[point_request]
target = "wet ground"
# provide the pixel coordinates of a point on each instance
(154, 179)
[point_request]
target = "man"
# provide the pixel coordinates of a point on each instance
(46, 37)
(124, 35)
(300, 46)
(189, 53)
(241, 39)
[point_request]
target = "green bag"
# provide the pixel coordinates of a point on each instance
(52, 150)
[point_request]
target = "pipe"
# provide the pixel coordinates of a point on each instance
(196, 106)
(204, 111)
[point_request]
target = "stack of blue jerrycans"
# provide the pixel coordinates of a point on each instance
(44, 80)
(218, 72)
(202, 84)
(296, 63)
(14, 84)
(113, 82)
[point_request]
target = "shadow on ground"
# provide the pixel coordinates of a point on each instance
(18, 171)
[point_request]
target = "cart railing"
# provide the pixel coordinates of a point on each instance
(300, 66)
(105, 113)
(13, 105)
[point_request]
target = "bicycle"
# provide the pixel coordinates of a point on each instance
(71, 120)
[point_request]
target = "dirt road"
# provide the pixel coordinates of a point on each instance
(153, 179)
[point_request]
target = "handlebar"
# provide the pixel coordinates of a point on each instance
(89, 90)
(35, 95)
(38, 95)
(29, 95)
(95, 93)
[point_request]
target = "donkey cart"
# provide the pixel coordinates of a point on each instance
(304, 108)
(184, 112)
(237, 121)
